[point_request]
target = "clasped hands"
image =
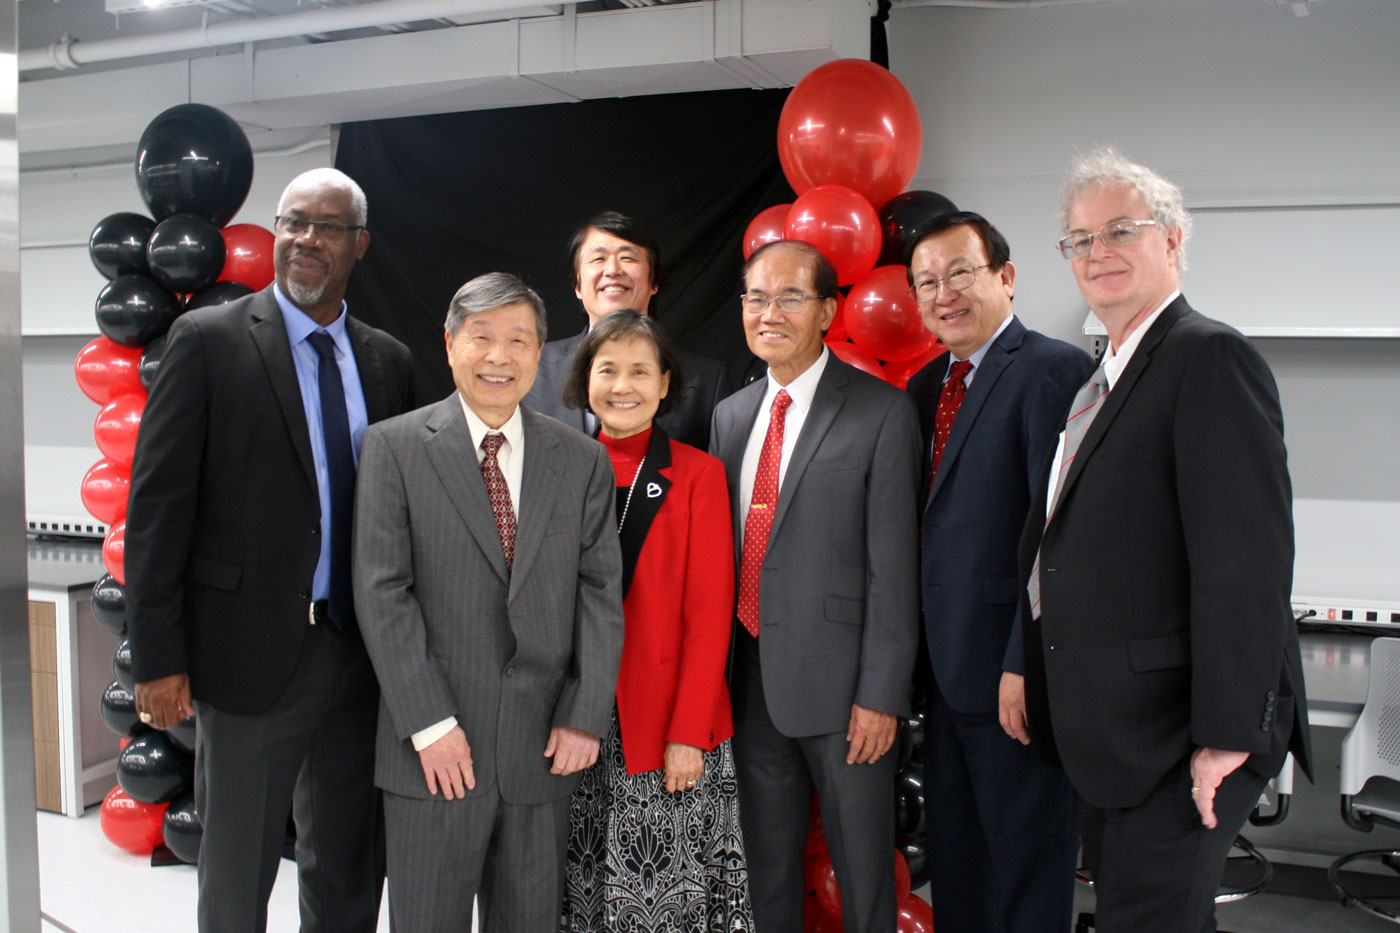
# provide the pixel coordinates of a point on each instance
(447, 763)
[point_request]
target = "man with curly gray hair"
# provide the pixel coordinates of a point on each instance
(1162, 664)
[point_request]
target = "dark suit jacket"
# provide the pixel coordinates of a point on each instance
(1166, 573)
(676, 545)
(513, 652)
(972, 518)
(688, 421)
(838, 598)
(223, 529)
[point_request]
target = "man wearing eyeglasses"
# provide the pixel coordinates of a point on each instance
(823, 465)
(1001, 823)
(238, 569)
(1162, 659)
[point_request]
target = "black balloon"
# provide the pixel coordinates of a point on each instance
(133, 310)
(119, 711)
(121, 665)
(185, 253)
(909, 802)
(152, 770)
(182, 735)
(901, 216)
(183, 829)
(150, 361)
(220, 293)
(194, 159)
(916, 857)
(117, 245)
(109, 604)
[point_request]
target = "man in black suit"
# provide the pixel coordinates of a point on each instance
(1162, 659)
(238, 566)
(1002, 836)
(617, 264)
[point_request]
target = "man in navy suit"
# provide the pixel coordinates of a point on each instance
(1001, 822)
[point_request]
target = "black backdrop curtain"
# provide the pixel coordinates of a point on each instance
(454, 195)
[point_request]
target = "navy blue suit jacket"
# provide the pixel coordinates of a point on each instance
(972, 517)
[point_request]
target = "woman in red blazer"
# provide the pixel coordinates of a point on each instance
(655, 841)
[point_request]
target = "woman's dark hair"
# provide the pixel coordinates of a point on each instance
(625, 325)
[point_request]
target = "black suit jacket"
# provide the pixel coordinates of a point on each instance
(973, 516)
(1166, 573)
(223, 526)
(706, 383)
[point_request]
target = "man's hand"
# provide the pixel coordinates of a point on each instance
(871, 734)
(1210, 766)
(684, 765)
(572, 750)
(165, 701)
(1011, 706)
(447, 765)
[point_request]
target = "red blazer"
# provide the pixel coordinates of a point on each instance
(678, 558)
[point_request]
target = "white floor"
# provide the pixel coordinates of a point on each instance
(88, 885)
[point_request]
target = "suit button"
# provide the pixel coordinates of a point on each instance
(315, 529)
(1264, 726)
(1054, 647)
(1269, 695)
(510, 672)
(303, 593)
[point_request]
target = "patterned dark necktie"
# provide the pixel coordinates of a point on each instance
(760, 516)
(340, 470)
(499, 492)
(1087, 402)
(949, 401)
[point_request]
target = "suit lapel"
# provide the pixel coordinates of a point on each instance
(744, 406)
(269, 334)
(576, 418)
(648, 494)
(997, 358)
(539, 484)
(826, 402)
(449, 445)
(371, 369)
(1122, 389)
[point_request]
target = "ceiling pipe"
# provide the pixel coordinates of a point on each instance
(69, 52)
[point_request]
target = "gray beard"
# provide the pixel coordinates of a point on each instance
(305, 296)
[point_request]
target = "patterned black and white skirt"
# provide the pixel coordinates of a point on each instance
(645, 861)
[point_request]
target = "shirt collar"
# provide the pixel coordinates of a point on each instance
(300, 325)
(802, 389)
(1117, 358)
(978, 355)
(513, 430)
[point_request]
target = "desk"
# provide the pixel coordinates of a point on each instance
(1336, 673)
(75, 754)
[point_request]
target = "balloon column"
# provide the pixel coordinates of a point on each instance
(849, 140)
(194, 167)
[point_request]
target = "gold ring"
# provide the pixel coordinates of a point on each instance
(147, 718)
(1195, 790)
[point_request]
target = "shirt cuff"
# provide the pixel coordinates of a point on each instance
(425, 737)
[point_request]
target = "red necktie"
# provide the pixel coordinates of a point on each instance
(949, 401)
(499, 492)
(760, 518)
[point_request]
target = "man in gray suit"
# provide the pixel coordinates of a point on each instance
(488, 589)
(823, 465)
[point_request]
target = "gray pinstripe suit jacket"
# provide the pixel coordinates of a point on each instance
(451, 632)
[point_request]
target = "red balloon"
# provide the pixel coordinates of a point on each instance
(882, 317)
(915, 915)
(850, 122)
(767, 226)
(824, 881)
(105, 369)
(103, 491)
(130, 824)
(899, 373)
(841, 224)
(860, 359)
(116, 424)
(248, 255)
(113, 551)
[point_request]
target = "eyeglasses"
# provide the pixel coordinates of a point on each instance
(957, 280)
(757, 303)
(325, 229)
(1113, 235)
